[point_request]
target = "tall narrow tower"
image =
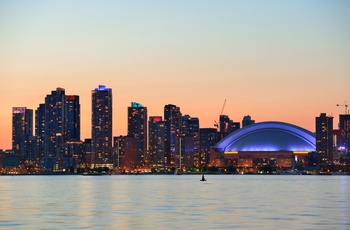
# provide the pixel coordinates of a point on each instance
(55, 123)
(137, 127)
(72, 118)
(324, 138)
(101, 126)
(22, 129)
(172, 120)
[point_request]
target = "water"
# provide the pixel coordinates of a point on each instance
(175, 202)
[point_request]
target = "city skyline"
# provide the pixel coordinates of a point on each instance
(273, 61)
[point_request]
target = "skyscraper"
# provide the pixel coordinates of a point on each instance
(72, 118)
(189, 141)
(22, 129)
(172, 120)
(227, 126)
(101, 126)
(156, 141)
(208, 138)
(137, 127)
(55, 123)
(324, 138)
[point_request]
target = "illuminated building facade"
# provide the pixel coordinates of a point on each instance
(55, 123)
(208, 138)
(22, 130)
(189, 141)
(101, 126)
(156, 141)
(137, 127)
(172, 120)
(324, 138)
(72, 118)
(272, 144)
(125, 153)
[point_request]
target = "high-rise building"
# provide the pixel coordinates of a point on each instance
(344, 126)
(125, 154)
(72, 118)
(324, 138)
(208, 138)
(247, 120)
(137, 127)
(227, 126)
(22, 130)
(172, 120)
(156, 141)
(189, 141)
(55, 123)
(101, 126)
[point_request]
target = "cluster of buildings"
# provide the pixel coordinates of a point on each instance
(52, 143)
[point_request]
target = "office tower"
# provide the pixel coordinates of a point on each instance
(344, 126)
(172, 120)
(72, 118)
(22, 130)
(208, 138)
(55, 123)
(101, 126)
(156, 141)
(40, 130)
(137, 127)
(125, 153)
(247, 120)
(189, 141)
(324, 138)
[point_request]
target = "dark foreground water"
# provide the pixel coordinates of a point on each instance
(175, 202)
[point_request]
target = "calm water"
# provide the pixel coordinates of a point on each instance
(175, 202)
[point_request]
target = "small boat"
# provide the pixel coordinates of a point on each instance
(203, 179)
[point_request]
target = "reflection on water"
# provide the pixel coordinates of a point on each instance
(175, 202)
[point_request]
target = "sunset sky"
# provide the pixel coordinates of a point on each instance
(283, 61)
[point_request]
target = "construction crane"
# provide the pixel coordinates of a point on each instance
(222, 110)
(346, 107)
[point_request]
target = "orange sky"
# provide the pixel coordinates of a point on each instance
(285, 61)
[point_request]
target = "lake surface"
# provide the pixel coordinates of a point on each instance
(175, 202)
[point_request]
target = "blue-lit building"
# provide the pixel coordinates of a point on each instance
(275, 144)
(137, 127)
(101, 127)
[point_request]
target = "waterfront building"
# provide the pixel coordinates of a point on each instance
(125, 153)
(137, 127)
(87, 153)
(156, 141)
(247, 120)
(324, 138)
(208, 138)
(22, 131)
(172, 120)
(189, 141)
(55, 124)
(274, 145)
(101, 126)
(72, 118)
(344, 126)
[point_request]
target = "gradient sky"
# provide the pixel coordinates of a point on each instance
(273, 60)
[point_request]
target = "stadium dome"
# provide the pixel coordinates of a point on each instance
(268, 136)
